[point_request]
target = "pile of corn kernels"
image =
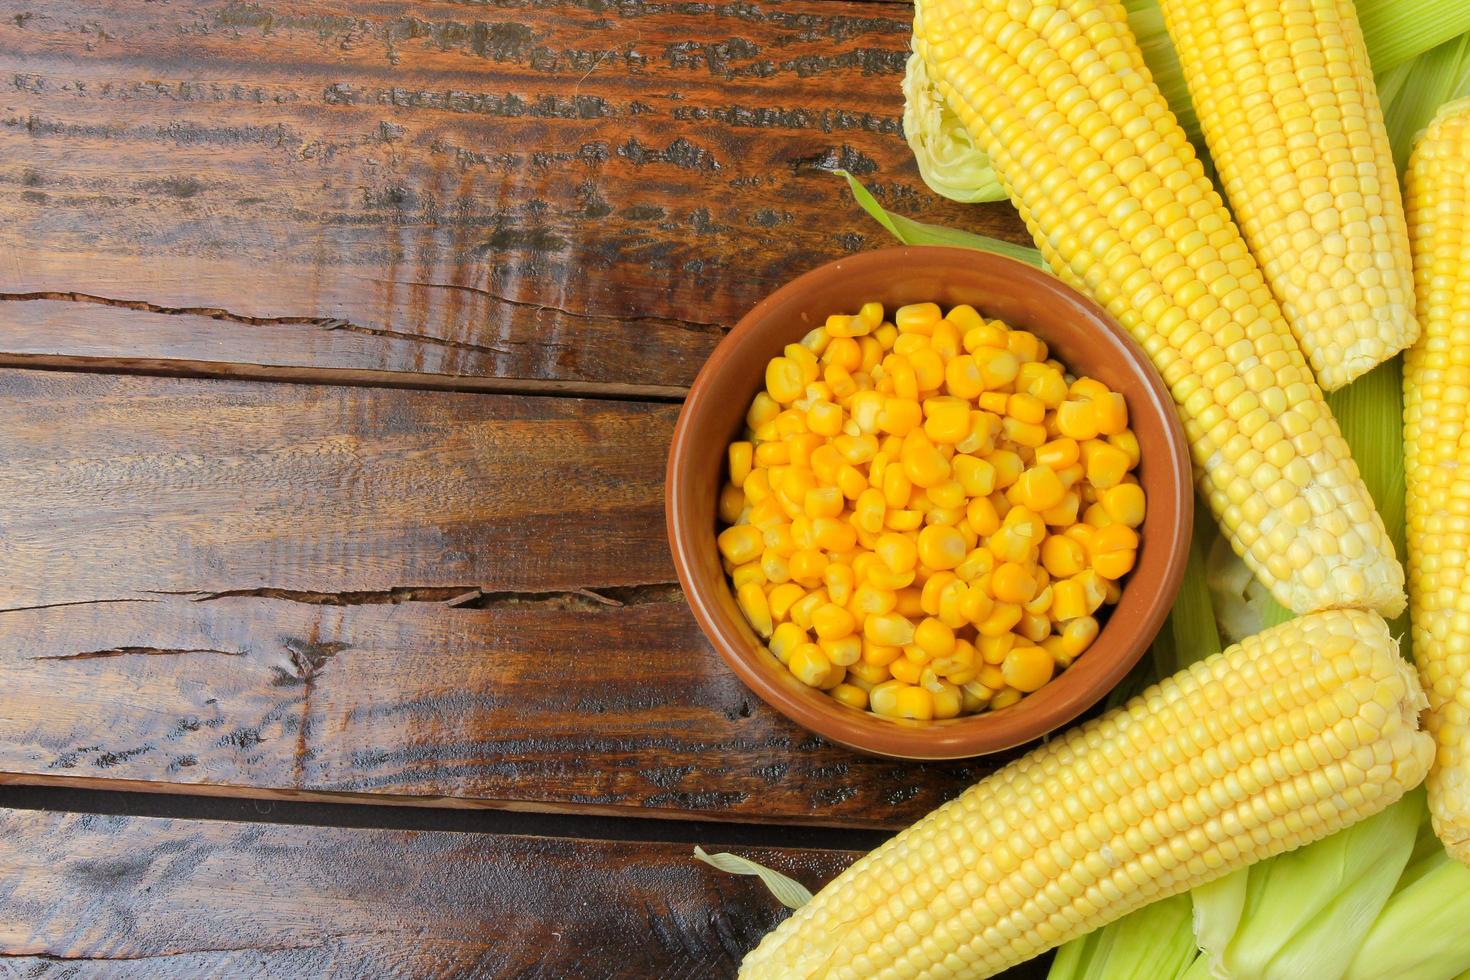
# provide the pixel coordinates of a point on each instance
(927, 515)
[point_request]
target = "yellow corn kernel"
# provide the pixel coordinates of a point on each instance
(900, 415)
(1124, 503)
(982, 516)
(1026, 346)
(998, 368)
(775, 568)
(1042, 381)
(928, 369)
(824, 419)
(805, 360)
(1127, 443)
(923, 464)
(1039, 603)
(933, 588)
(991, 676)
(1033, 627)
(782, 598)
(1094, 589)
(831, 621)
(964, 317)
(1027, 668)
(1105, 464)
(732, 502)
(784, 380)
(946, 419)
(833, 535)
(1068, 600)
(898, 551)
(785, 638)
(779, 540)
(850, 482)
(1115, 564)
(949, 495)
(1004, 698)
(1077, 420)
(769, 454)
(1008, 467)
(948, 702)
(873, 347)
(917, 317)
(740, 455)
(1012, 583)
(806, 566)
(974, 604)
(802, 609)
(855, 449)
(878, 654)
(1025, 408)
(839, 581)
(1114, 537)
(962, 378)
(868, 510)
(994, 402)
(992, 335)
(889, 630)
(883, 698)
(752, 601)
(914, 702)
(1111, 412)
(1058, 454)
(844, 353)
(941, 547)
(741, 543)
(843, 651)
(1023, 433)
(993, 649)
(1002, 619)
(1078, 635)
(909, 602)
(1037, 489)
(1062, 557)
(903, 519)
(975, 476)
(850, 695)
(763, 409)
(935, 638)
(906, 669)
(1064, 513)
(984, 427)
(822, 502)
(757, 486)
(810, 665)
(838, 325)
(747, 574)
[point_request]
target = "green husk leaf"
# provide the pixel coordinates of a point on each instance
(1396, 31)
(912, 232)
(788, 891)
(1217, 909)
(1306, 910)
(1421, 931)
(1153, 943)
(949, 161)
(1412, 92)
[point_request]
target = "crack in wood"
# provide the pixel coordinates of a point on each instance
(694, 325)
(59, 605)
(460, 596)
(138, 651)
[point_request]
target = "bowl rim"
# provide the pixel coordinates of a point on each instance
(967, 736)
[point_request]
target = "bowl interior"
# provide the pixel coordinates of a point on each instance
(1079, 334)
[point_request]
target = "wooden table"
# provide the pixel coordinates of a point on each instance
(340, 347)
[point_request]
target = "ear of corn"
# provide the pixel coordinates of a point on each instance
(1120, 207)
(1285, 97)
(1280, 740)
(1436, 397)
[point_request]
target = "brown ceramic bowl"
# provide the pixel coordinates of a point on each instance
(1080, 334)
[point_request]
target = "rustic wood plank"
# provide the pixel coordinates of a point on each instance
(534, 189)
(144, 897)
(407, 596)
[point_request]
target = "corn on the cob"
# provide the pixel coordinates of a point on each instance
(1287, 104)
(1058, 96)
(1436, 465)
(1280, 740)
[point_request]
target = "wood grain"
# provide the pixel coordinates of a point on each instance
(532, 189)
(148, 898)
(406, 596)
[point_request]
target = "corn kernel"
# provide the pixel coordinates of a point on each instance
(1008, 467)
(1012, 583)
(786, 638)
(741, 543)
(782, 598)
(1023, 433)
(947, 419)
(850, 482)
(907, 670)
(914, 702)
(889, 630)
(834, 535)
(1114, 537)
(1063, 514)
(1005, 698)
(1068, 600)
(941, 547)
(935, 638)
(752, 601)
(1115, 564)
(1062, 557)
(747, 574)
(831, 622)
(839, 580)
(1078, 635)
(982, 516)
(903, 519)
(1002, 619)
(962, 378)
(1105, 464)
(1025, 408)
(1027, 668)
(823, 502)
(1124, 503)
(878, 654)
(928, 368)
(917, 317)
(843, 651)
(807, 566)
(1077, 420)
(948, 702)
(1037, 489)
(1026, 346)
(810, 665)
(851, 695)
(994, 402)
(732, 502)
(1058, 454)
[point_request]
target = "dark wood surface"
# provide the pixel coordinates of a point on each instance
(300, 507)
